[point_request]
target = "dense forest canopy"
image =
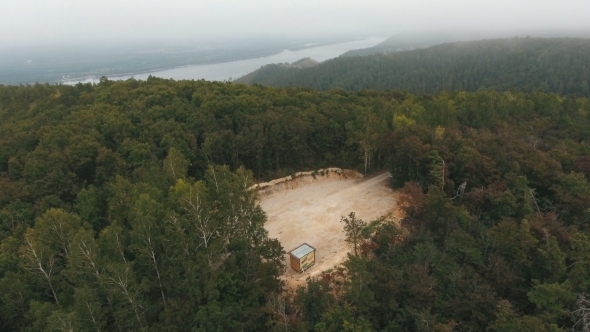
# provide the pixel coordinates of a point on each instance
(125, 206)
(558, 65)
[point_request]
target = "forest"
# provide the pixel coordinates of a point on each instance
(124, 206)
(558, 65)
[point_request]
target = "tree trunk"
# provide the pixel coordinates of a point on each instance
(366, 160)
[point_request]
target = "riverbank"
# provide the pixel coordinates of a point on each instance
(229, 70)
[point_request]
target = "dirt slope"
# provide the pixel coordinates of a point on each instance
(311, 211)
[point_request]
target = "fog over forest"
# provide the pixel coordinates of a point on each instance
(34, 22)
(67, 41)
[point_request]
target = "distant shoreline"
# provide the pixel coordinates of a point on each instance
(118, 76)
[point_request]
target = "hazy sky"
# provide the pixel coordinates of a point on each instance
(31, 22)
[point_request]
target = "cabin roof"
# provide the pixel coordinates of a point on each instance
(302, 250)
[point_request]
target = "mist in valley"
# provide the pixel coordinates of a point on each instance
(65, 40)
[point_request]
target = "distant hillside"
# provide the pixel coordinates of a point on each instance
(411, 40)
(303, 63)
(559, 65)
(299, 64)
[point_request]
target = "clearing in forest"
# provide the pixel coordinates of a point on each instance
(308, 209)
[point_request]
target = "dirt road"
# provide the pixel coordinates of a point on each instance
(312, 213)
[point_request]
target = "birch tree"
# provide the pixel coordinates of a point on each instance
(39, 259)
(47, 245)
(365, 131)
(194, 204)
(88, 308)
(175, 165)
(146, 237)
(84, 256)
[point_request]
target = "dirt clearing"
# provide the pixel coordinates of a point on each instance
(308, 209)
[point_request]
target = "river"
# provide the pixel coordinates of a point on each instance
(236, 69)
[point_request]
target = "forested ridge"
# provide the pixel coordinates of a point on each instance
(125, 206)
(558, 65)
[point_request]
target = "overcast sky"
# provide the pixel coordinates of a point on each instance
(43, 22)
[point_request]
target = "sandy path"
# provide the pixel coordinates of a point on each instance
(312, 213)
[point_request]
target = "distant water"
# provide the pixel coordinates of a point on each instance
(236, 69)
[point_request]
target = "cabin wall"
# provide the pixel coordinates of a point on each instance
(307, 261)
(295, 263)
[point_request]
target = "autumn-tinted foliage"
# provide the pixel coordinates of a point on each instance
(114, 215)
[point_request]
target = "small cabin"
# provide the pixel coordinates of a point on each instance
(302, 257)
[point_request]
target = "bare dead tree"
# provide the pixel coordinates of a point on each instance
(532, 197)
(581, 315)
(278, 307)
(283, 309)
(461, 190)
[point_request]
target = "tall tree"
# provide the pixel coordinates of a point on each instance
(353, 228)
(366, 131)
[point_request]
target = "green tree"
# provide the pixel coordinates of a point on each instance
(353, 228)
(438, 170)
(89, 310)
(146, 238)
(175, 165)
(366, 131)
(553, 299)
(508, 320)
(579, 274)
(40, 259)
(46, 247)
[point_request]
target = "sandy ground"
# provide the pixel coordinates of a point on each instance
(311, 214)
